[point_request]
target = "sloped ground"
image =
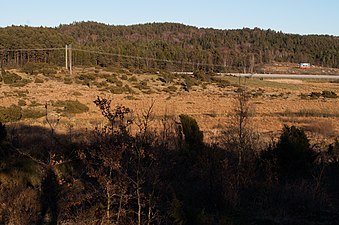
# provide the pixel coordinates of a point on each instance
(272, 103)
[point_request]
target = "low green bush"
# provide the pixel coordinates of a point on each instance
(30, 68)
(68, 80)
(303, 96)
(190, 82)
(1, 72)
(124, 77)
(10, 114)
(72, 107)
(36, 68)
(171, 88)
(202, 76)
(133, 79)
(101, 84)
(11, 78)
(34, 104)
(116, 90)
(148, 91)
(21, 83)
(329, 94)
(315, 95)
(77, 93)
(130, 97)
(220, 82)
(120, 90)
(114, 80)
(38, 80)
(142, 85)
(166, 77)
(87, 77)
(48, 71)
(21, 102)
(128, 89)
(32, 114)
(21, 93)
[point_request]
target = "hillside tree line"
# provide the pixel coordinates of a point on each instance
(165, 46)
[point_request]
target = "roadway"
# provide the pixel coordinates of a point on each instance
(287, 76)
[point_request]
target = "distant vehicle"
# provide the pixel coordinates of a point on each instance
(304, 65)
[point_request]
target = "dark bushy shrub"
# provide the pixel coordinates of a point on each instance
(329, 94)
(315, 94)
(294, 156)
(333, 150)
(3, 132)
(193, 135)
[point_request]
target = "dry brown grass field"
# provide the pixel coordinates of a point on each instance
(273, 102)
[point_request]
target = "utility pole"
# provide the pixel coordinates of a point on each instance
(66, 58)
(70, 59)
(2, 58)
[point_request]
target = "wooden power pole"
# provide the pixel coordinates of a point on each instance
(66, 58)
(70, 59)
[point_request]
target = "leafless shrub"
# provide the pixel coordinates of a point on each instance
(322, 127)
(242, 143)
(19, 205)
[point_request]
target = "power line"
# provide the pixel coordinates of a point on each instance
(31, 49)
(148, 58)
(123, 56)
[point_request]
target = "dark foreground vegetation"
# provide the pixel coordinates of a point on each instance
(165, 176)
(168, 46)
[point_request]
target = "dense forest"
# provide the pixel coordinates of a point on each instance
(165, 46)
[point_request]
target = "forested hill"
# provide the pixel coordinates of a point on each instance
(230, 48)
(24, 37)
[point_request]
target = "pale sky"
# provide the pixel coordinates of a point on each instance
(297, 16)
